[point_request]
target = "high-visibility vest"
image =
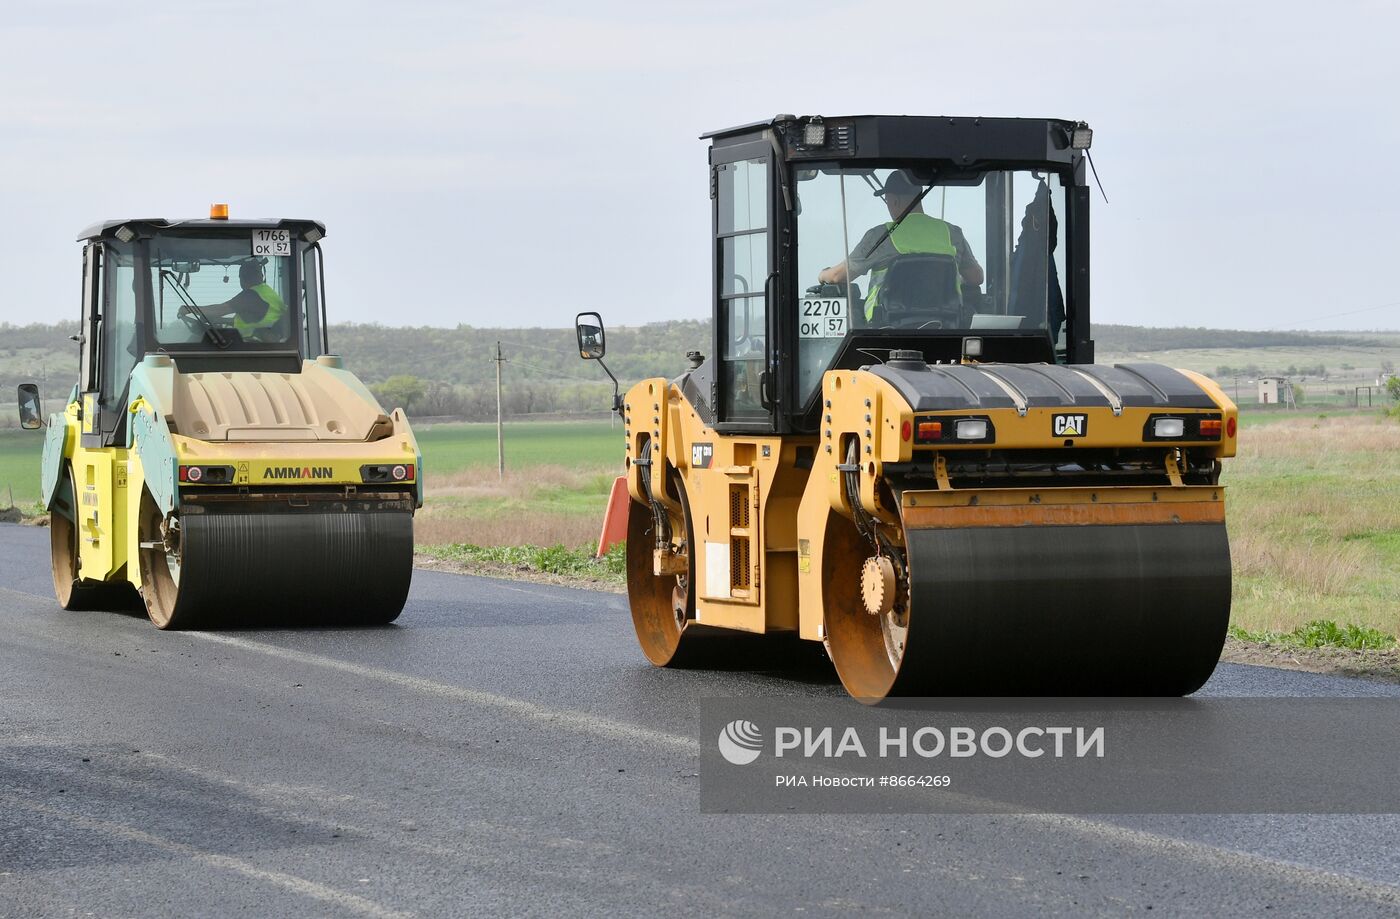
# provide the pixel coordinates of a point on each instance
(275, 309)
(918, 234)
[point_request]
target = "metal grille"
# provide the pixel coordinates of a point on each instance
(739, 574)
(739, 562)
(739, 506)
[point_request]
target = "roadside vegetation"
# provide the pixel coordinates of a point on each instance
(1313, 505)
(1322, 633)
(549, 562)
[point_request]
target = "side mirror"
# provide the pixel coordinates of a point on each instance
(30, 412)
(589, 327)
(591, 347)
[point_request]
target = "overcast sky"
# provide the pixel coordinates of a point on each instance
(513, 163)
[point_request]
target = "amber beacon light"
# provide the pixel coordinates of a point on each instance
(218, 212)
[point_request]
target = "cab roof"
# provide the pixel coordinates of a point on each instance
(959, 139)
(929, 120)
(140, 225)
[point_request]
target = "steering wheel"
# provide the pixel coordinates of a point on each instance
(191, 321)
(202, 327)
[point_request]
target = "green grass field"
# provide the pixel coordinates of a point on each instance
(583, 444)
(19, 465)
(555, 490)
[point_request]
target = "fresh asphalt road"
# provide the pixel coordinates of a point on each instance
(505, 749)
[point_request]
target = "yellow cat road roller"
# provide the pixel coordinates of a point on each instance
(214, 455)
(901, 445)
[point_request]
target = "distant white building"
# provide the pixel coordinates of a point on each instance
(1276, 391)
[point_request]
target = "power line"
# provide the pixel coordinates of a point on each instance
(555, 375)
(1367, 309)
(523, 344)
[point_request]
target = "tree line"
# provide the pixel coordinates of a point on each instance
(449, 371)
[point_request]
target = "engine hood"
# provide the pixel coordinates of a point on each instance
(958, 387)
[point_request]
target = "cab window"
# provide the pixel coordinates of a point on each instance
(121, 346)
(214, 292)
(741, 223)
(921, 248)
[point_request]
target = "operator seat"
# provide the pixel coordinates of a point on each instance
(920, 288)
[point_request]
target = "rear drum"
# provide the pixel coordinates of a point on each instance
(1120, 610)
(325, 563)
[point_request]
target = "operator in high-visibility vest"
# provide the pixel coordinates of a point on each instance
(255, 307)
(917, 233)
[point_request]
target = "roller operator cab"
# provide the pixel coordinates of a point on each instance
(213, 455)
(900, 445)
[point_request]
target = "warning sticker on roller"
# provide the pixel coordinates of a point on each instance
(717, 569)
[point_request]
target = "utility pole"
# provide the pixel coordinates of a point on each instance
(500, 428)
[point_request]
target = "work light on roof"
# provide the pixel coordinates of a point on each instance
(814, 133)
(124, 234)
(1081, 136)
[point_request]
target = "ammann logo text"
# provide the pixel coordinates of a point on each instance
(298, 472)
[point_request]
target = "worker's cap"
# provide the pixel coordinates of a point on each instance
(250, 272)
(899, 183)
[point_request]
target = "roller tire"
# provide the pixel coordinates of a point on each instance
(160, 590)
(663, 637)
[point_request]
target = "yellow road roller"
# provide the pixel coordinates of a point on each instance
(214, 456)
(901, 446)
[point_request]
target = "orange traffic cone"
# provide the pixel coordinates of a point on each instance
(615, 519)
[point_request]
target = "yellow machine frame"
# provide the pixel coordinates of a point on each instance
(758, 518)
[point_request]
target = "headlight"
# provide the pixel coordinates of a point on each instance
(1168, 427)
(971, 429)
